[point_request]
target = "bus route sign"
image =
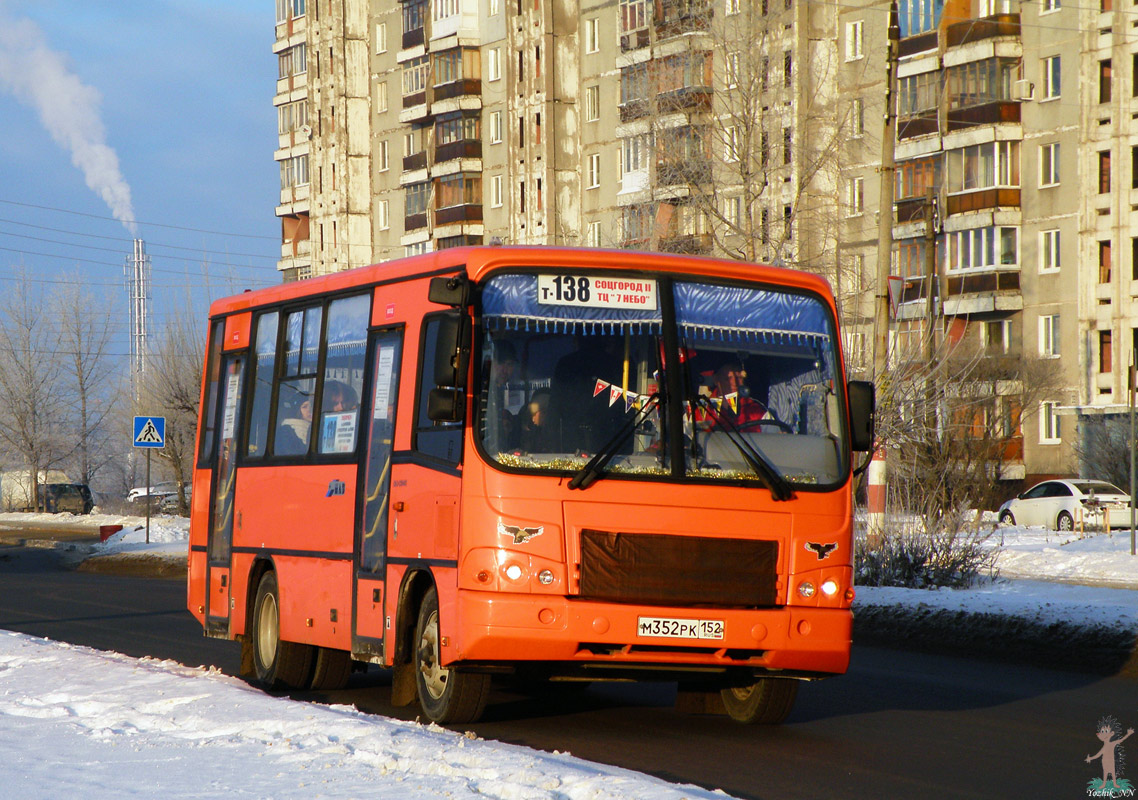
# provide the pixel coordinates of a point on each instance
(149, 431)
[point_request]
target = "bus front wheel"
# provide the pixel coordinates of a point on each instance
(767, 701)
(446, 694)
(277, 664)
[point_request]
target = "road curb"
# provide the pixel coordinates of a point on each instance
(135, 565)
(1094, 649)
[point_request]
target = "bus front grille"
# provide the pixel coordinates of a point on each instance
(662, 569)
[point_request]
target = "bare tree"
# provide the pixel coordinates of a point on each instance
(171, 387)
(33, 418)
(84, 335)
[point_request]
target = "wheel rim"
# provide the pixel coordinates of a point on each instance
(742, 693)
(268, 625)
(1064, 522)
(430, 666)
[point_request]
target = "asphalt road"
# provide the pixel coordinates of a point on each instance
(899, 724)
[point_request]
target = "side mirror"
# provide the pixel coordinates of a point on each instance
(446, 405)
(452, 349)
(863, 401)
(450, 291)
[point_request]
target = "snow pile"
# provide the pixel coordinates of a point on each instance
(79, 721)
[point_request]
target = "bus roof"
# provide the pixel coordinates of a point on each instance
(479, 261)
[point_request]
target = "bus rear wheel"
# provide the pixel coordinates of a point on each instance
(277, 664)
(331, 669)
(446, 694)
(767, 701)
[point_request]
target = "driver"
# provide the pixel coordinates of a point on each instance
(728, 383)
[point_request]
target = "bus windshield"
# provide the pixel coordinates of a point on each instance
(576, 365)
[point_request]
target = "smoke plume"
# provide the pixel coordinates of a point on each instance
(38, 77)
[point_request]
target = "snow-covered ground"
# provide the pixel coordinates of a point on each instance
(75, 720)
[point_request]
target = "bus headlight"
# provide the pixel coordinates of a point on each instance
(806, 589)
(513, 572)
(829, 587)
(545, 577)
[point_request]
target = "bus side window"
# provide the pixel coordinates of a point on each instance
(300, 351)
(439, 439)
(344, 358)
(213, 377)
(263, 370)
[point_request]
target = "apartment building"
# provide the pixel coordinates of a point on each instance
(1016, 166)
(698, 126)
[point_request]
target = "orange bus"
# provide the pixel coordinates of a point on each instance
(555, 464)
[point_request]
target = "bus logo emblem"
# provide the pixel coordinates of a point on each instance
(519, 534)
(335, 487)
(821, 550)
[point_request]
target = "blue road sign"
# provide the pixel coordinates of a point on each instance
(149, 431)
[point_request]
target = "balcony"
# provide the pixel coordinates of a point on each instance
(414, 38)
(415, 161)
(689, 244)
(634, 109)
(686, 97)
(982, 200)
(921, 43)
(459, 88)
(975, 30)
(683, 171)
(453, 150)
(677, 17)
(909, 210)
(984, 282)
(986, 114)
(415, 221)
(921, 124)
(463, 213)
(634, 40)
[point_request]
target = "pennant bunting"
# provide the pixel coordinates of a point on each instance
(600, 387)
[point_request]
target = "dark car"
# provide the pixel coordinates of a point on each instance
(57, 498)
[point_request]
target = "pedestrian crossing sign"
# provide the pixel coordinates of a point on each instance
(149, 431)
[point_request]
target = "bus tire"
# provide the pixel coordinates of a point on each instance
(331, 670)
(446, 694)
(767, 701)
(277, 664)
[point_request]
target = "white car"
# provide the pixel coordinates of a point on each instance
(1060, 504)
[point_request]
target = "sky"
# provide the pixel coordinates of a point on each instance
(148, 118)
(92, 724)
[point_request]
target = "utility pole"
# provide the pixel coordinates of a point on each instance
(877, 471)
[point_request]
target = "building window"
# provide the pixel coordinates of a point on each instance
(592, 103)
(731, 70)
(382, 215)
(982, 248)
(294, 171)
(495, 127)
(733, 211)
(983, 166)
(787, 68)
(292, 117)
(293, 61)
(1047, 6)
(1049, 258)
(1104, 82)
(460, 189)
(1052, 84)
(978, 83)
(1104, 258)
(1105, 352)
(496, 198)
(494, 64)
(443, 9)
(1103, 171)
(495, 7)
(732, 7)
(381, 97)
(415, 75)
(383, 157)
(916, 177)
(731, 144)
(787, 152)
(857, 118)
(593, 171)
(1049, 336)
(995, 336)
(289, 8)
(593, 234)
(380, 37)
(633, 15)
(593, 35)
(855, 196)
(854, 41)
(1049, 164)
(1049, 432)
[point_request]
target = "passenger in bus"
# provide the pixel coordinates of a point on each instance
(537, 433)
(729, 385)
(339, 397)
(503, 367)
(292, 433)
(587, 425)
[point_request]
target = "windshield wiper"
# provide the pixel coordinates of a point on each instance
(759, 463)
(595, 468)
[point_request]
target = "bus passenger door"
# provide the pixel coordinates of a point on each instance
(371, 541)
(220, 543)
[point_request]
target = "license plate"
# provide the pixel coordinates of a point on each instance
(680, 628)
